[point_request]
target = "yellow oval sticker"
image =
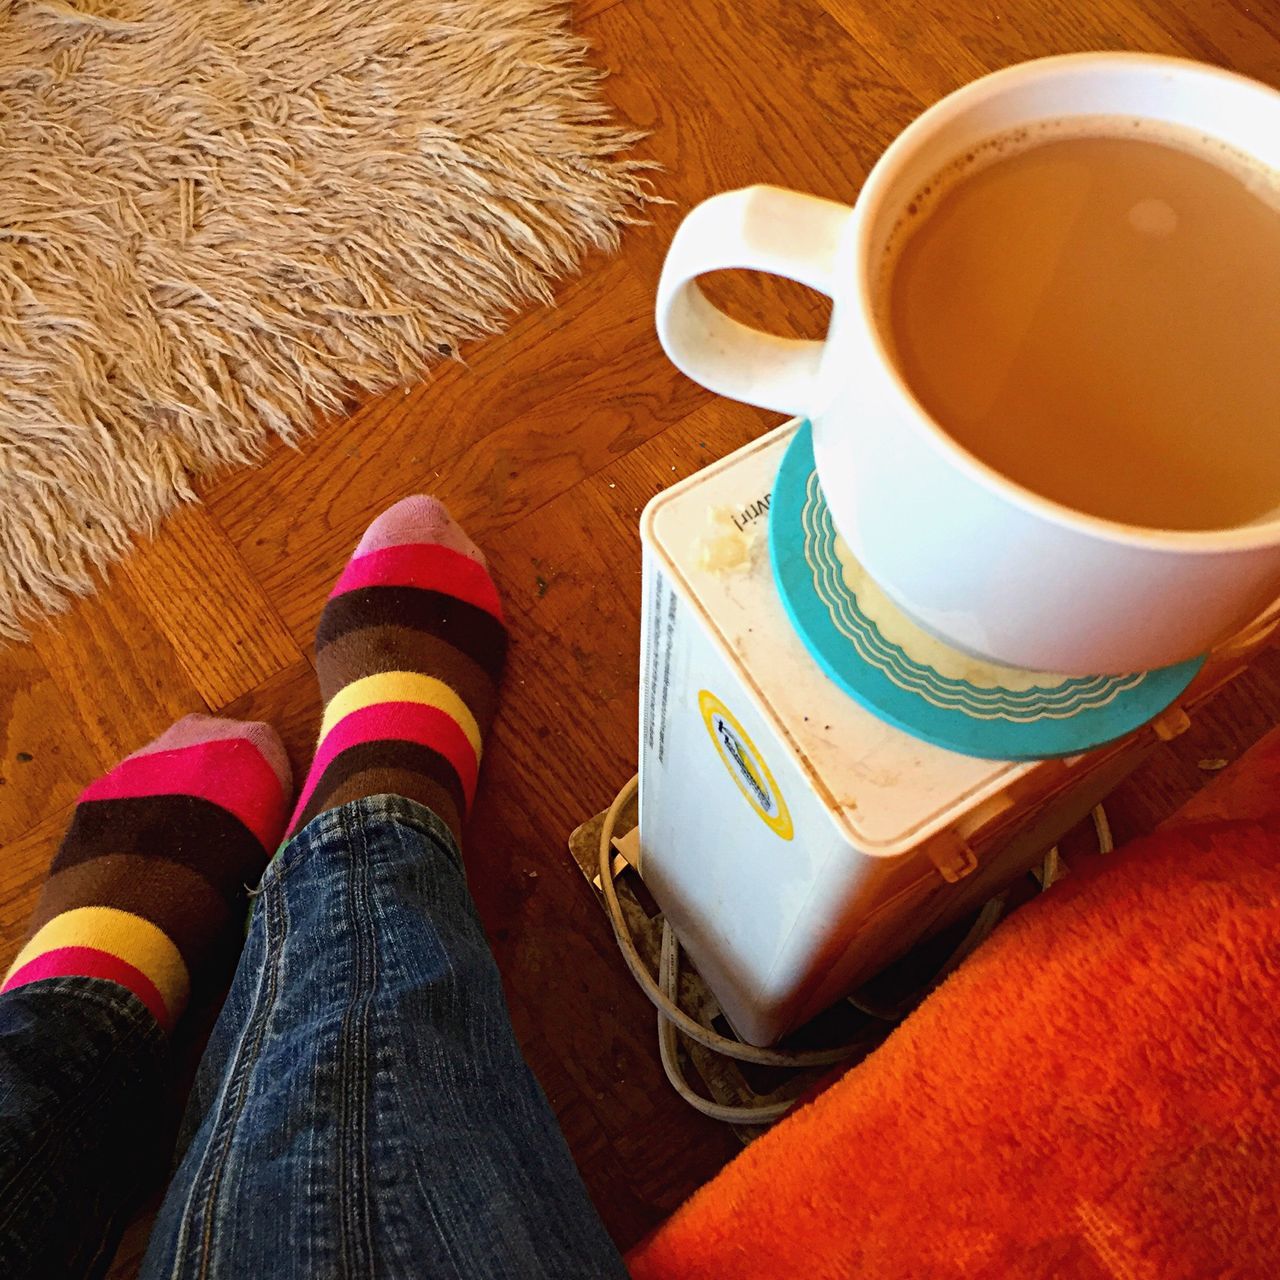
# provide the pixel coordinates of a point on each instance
(745, 764)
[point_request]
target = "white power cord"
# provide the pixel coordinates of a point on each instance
(1101, 825)
(667, 1006)
(672, 1019)
(668, 977)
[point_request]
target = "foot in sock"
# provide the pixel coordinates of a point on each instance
(409, 651)
(148, 888)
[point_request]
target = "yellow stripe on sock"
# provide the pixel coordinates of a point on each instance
(135, 940)
(401, 686)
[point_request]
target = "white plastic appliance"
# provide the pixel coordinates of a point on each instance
(795, 842)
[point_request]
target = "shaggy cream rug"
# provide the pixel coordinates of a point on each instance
(218, 216)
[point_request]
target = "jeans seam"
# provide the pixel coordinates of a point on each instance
(232, 1097)
(279, 865)
(354, 1082)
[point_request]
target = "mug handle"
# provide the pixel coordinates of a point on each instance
(765, 229)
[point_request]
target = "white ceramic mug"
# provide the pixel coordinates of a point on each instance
(982, 562)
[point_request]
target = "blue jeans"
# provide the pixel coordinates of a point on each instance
(362, 1108)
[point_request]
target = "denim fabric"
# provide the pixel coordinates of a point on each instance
(363, 1109)
(82, 1071)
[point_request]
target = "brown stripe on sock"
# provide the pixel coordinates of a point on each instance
(473, 631)
(382, 781)
(409, 758)
(188, 830)
(390, 647)
(193, 912)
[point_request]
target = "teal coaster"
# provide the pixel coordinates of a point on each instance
(914, 681)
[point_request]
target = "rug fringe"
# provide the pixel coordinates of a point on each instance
(221, 221)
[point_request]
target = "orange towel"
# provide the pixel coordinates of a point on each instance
(1096, 1093)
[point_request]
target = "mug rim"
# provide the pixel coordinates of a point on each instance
(879, 182)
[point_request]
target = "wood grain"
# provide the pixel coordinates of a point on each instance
(491, 483)
(197, 591)
(120, 676)
(45, 755)
(548, 440)
(273, 513)
(22, 872)
(585, 9)
(734, 94)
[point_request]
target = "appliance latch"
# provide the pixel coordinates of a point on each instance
(953, 857)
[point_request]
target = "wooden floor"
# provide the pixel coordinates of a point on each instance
(547, 442)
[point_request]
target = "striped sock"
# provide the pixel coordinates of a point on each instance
(409, 650)
(149, 885)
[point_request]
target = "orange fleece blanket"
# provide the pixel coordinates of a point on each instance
(1095, 1093)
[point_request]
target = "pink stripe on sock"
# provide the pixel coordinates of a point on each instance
(418, 519)
(398, 721)
(194, 729)
(425, 565)
(90, 962)
(229, 772)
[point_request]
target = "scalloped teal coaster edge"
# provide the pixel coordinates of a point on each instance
(992, 723)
